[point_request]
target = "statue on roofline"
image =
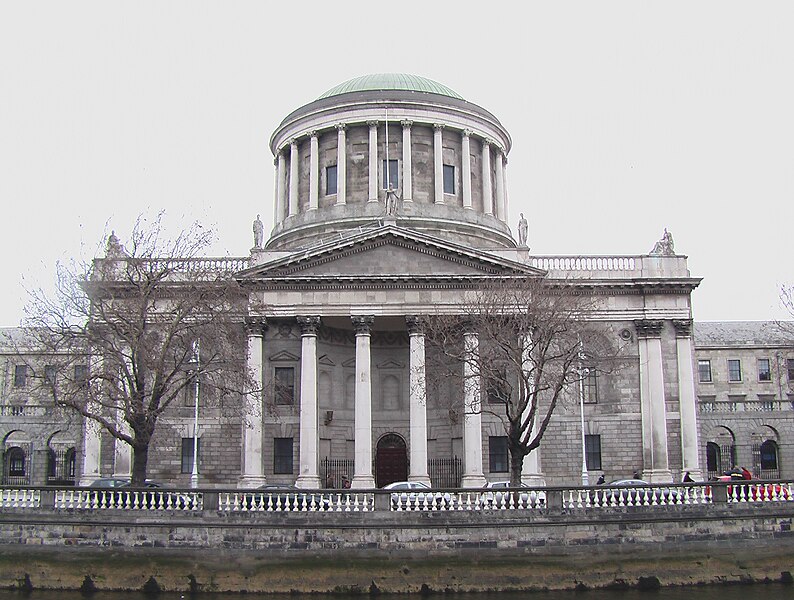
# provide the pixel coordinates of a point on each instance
(664, 247)
(259, 232)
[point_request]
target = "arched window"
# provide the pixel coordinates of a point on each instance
(769, 458)
(16, 462)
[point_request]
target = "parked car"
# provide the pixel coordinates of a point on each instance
(414, 495)
(286, 498)
(753, 490)
(626, 492)
(502, 499)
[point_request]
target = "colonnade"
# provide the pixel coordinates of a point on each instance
(494, 189)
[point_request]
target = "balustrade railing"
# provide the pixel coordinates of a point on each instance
(736, 406)
(595, 498)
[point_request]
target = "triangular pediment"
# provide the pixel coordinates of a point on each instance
(392, 252)
(284, 356)
(324, 360)
(390, 364)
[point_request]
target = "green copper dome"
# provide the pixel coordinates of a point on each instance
(391, 81)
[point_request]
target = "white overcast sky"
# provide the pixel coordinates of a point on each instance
(626, 118)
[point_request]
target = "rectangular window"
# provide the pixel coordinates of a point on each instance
(704, 371)
(764, 370)
(497, 454)
(284, 385)
(187, 455)
(50, 374)
(20, 376)
(392, 175)
(81, 374)
(734, 369)
(592, 452)
(449, 179)
(282, 456)
(790, 369)
(330, 180)
(590, 387)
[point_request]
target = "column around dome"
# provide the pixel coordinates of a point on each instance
(373, 161)
(487, 194)
(281, 183)
(438, 163)
(500, 187)
(314, 172)
(341, 163)
(293, 177)
(407, 163)
(465, 164)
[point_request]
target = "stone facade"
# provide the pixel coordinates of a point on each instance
(332, 295)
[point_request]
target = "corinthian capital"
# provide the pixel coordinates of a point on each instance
(363, 324)
(647, 328)
(340, 127)
(255, 325)
(309, 325)
(683, 327)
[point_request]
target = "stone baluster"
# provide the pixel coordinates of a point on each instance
(309, 476)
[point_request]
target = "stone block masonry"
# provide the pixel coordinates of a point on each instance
(396, 552)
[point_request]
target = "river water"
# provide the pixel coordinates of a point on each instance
(718, 592)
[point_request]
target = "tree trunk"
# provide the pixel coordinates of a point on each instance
(140, 459)
(516, 466)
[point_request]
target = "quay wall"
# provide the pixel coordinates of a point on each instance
(396, 552)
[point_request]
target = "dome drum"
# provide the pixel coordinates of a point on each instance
(332, 174)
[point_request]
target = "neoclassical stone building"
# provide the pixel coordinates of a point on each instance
(391, 202)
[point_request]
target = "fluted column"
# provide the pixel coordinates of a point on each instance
(341, 164)
(276, 207)
(690, 455)
(309, 476)
(656, 467)
(531, 472)
(281, 187)
(465, 167)
(472, 418)
(373, 161)
(487, 194)
(92, 439)
(362, 469)
(122, 451)
(253, 474)
(500, 187)
(417, 399)
(314, 171)
(407, 164)
(438, 163)
(504, 183)
(293, 177)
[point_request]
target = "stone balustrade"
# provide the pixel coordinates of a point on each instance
(542, 500)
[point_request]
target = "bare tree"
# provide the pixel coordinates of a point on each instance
(534, 346)
(124, 330)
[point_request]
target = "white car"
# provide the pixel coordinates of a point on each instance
(414, 495)
(503, 500)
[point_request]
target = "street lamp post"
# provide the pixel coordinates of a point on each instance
(582, 374)
(194, 473)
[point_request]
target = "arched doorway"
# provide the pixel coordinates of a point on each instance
(391, 460)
